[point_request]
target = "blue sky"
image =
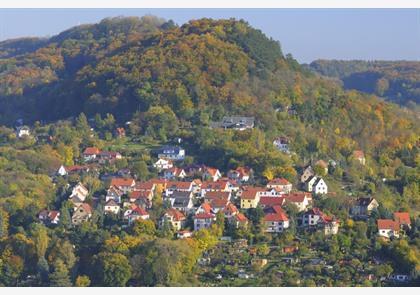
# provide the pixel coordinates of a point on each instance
(370, 34)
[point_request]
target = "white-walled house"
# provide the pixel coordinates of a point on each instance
(112, 207)
(388, 228)
(163, 164)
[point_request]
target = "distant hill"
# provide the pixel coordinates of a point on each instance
(396, 81)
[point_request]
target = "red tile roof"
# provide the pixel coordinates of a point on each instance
(86, 208)
(297, 197)
(231, 209)
(272, 201)
(140, 194)
(402, 218)
(388, 224)
(217, 195)
(176, 214)
(53, 214)
(178, 185)
(91, 151)
(241, 217)
(122, 182)
(250, 193)
(279, 181)
(276, 214)
(144, 186)
(204, 216)
(217, 185)
(212, 171)
(206, 207)
(139, 211)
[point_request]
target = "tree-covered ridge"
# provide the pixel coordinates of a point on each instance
(398, 81)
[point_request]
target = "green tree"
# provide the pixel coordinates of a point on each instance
(112, 269)
(41, 239)
(60, 276)
(82, 281)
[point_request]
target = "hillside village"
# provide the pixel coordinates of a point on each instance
(139, 152)
(193, 197)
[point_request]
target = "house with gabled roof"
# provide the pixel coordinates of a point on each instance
(174, 153)
(315, 218)
(112, 207)
(240, 174)
(82, 214)
(182, 201)
(302, 200)
(275, 219)
(79, 191)
(163, 164)
(363, 207)
(174, 217)
(108, 157)
(212, 174)
(135, 213)
(124, 184)
(204, 217)
(388, 228)
(219, 185)
(49, 217)
(183, 186)
(281, 184)
(145, 197)
(250, 198)
(403, 219)
(316, 185)
(90, 153)
(114, 193)
(270, 201)
(308, 173)
(174, 173)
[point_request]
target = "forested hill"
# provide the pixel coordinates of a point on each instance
(141, 69)
(397, 81)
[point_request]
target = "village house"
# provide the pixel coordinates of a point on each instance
(23, 131)
(49, 217)
(173, 217)
(234, 122)
(134, 213)
(212, 174)
(90, 153)
(275, 219)
(301, 200)
(266, 202)
(363, 207)
(403, 219)
(359, 155)
(183, 234)
(142, 197)
(149, 185)
(174, 173)
(183, 186)
(316, 185)
(388, 228)
(182, 201)
(315, 218)
(308, 173)
(74, 169)
(250, 198)
(282, 144)
(204, 217)
(214, 195)
(220, 185)
(281, 184)
(112, 207)
(79, 191)
(171, 152)
(126, 185)
(108, 157)
(240, 174)
(113, 193)
(81, 214)
(163, 164)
